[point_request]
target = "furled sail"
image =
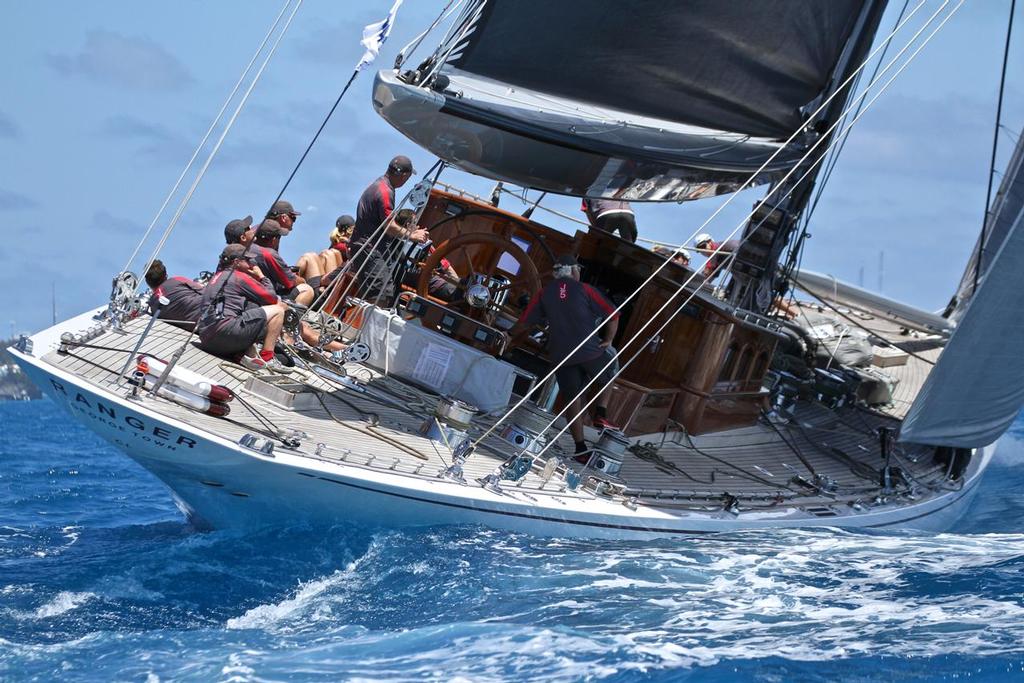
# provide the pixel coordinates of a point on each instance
(645, 99)
(976, 389)
(743, 67)
(1007, 206)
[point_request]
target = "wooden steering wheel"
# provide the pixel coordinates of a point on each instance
(482, 291)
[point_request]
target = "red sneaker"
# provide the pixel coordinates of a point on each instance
(603, 423)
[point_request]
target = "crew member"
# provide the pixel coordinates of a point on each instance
(240, 231)
(308, 266)
(716, 261)
(332, 257)
(266, 255)
(377, 203)
(610, 215)
(680, 258)
(572, 311)
(184, 297)
(238, 311)
(442, 280)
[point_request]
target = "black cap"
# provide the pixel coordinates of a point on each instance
(234, 230)
(232, 253)
(282, 206)
(567, 260)
(401, 164)
(344, 221)
(270, 228)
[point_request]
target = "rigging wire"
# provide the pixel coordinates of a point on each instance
(795, 255)
(414, 44)
(202, 143)
(671, 317)
(722, 207)
(995, 146)
(220, 141)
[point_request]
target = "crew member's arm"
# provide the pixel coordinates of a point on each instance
(604, 309)
(280, 272)
(415, 233)
(255, 291)
(532, 316)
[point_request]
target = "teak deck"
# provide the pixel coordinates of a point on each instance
(756, 464)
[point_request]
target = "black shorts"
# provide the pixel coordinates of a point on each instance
(238, 334)
(291, 293)
(572, 378)
(625, 223)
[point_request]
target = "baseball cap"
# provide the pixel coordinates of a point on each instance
(567, 260)
(344, 221)
(270, 228)
(231, 253)
(282, 206)
(234, 230)
(402, 164)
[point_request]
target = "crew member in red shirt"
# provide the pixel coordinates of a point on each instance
(716, 261)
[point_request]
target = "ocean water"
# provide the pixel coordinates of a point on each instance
(101, 579)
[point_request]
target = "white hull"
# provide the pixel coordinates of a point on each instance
(218, 483)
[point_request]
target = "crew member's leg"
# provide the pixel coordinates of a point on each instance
(570, 382)
(301, 294)
(309, 265)
(311, 337)
(275, 321)
(624, 223)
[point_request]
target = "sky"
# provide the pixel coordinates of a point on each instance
(104, 103)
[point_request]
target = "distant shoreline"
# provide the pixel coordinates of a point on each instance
(14, 385)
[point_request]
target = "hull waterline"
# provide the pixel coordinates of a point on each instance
(218, 483)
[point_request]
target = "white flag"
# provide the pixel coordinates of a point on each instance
(374, 36)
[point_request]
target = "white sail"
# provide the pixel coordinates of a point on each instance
(976, 390)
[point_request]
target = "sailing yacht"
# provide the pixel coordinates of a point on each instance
(748, 395)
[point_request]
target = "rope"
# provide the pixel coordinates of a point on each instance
(231, 122)
(995, 146)
(202, 143)
(757, 207)
(692, 295)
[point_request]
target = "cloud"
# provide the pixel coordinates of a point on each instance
(131, 127)
(8, 128)
(15, 201)
(105, 223)
(326, 45)
(126, 61)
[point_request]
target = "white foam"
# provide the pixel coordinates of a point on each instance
(63, 602)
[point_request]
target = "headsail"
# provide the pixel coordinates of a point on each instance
(640, 100)
(976, 389)
(1007, 206)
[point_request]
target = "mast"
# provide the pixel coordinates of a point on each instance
(770, 229)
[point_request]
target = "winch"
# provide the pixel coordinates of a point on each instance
(531, 442)
(454, 412)
(609, 451)
(449, 423)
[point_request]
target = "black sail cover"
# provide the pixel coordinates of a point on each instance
(744, 67)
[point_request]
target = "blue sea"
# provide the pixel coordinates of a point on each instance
(101, 579)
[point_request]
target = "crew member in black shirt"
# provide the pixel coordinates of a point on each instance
(184, 297)
(572, 311)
